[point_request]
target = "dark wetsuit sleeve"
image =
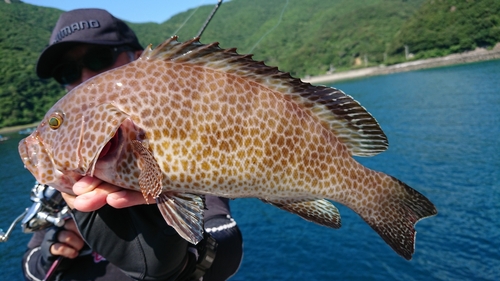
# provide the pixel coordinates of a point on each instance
(37, 261)
(135, 239)
(222, 227)
(34, 264)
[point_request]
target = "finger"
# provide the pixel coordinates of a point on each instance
(70, 225)
(85, 185)
(127, 198)
(69, 243)
(71, 239)
(69, 199)
(94, 199)
(60, 249)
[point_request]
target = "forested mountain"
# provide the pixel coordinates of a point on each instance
(24, 32)
(443, 27)
(304, 37)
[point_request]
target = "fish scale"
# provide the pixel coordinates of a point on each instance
(187, 120)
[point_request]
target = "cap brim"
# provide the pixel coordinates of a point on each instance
(50, 58)
(53, 55)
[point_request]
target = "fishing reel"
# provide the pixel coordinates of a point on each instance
(48, 209)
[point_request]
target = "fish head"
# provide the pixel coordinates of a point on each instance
(38, 159)
(71, 137)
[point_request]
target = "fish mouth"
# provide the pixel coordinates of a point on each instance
(28, 156)
(38, 161)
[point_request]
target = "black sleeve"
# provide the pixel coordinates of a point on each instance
(33, 266)
(37, 259)
(135, 239)
(222, 227)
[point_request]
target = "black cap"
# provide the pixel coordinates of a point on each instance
(90, 26)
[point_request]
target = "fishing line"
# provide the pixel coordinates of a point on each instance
(194, 11)
(269, 31)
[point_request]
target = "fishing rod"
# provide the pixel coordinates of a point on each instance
(209, 18)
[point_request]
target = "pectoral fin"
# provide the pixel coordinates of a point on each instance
(183, 212)
(151, 175)
(319, 211)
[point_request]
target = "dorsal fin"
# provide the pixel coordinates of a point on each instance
(350, 122)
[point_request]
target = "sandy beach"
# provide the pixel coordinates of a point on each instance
(479, 54)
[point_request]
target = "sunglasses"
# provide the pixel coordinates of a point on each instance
(96, 59)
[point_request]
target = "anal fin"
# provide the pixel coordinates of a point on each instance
(319, 211)
(183, 212)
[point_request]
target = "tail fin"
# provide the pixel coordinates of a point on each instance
(397, 215)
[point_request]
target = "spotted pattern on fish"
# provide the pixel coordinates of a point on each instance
(188, 118)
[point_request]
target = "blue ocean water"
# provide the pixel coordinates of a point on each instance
(444, 136)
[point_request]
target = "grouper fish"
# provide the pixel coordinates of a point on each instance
(190, 119)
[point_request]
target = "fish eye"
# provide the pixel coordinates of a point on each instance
(55, 120)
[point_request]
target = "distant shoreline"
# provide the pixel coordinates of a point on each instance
(467, 57)
(14, 129)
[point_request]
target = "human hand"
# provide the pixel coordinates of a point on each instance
(92, 194)
(66, 242)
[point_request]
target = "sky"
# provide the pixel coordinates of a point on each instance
(133, 11)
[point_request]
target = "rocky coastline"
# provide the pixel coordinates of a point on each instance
(480, 54)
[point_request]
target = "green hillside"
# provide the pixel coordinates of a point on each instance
(311, 35)
(442, 27)
(305, 37)
(25, 31)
